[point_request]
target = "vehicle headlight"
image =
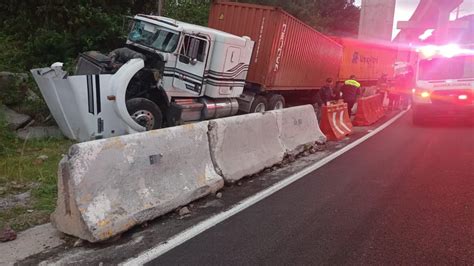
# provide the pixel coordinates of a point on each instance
(462, 97)
(425, 94)
(421, 96)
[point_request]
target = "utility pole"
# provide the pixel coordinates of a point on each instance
(160, 5)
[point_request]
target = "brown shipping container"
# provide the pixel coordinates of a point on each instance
(368, 61)
(288, 54)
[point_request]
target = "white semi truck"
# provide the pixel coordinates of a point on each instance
(169, 72)
(444, 83)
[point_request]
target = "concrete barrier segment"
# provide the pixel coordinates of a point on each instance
(299, 128)
(108, 186)
(245, 145)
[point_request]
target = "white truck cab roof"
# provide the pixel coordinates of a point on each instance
(179, 26)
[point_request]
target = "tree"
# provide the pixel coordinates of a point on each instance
(39, 32)
(191, 11)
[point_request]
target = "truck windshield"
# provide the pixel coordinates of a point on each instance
(154, 36)
(461, 67)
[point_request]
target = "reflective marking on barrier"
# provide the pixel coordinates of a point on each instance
(335, 124)
(342, 122)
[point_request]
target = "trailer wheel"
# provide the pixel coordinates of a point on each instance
(259, 105)
(276, 102)
(145, 113)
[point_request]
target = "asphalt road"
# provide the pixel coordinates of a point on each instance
(404, 196)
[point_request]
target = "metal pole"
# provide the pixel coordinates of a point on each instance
(160, 7)
(441, 32)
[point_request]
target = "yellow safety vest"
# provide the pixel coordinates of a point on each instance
(352, 82)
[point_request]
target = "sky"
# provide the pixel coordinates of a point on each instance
(405, 8)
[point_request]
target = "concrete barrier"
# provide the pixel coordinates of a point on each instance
(108, 186)
(245, 145)
(298, 127)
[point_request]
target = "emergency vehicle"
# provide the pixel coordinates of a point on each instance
(444, 82)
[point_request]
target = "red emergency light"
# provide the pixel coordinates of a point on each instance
(428, 51)
(449, 51)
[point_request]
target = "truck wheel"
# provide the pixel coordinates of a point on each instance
(276, 102)
(145, 113)
(259, 105)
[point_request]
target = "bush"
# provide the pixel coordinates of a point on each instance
(13, 88)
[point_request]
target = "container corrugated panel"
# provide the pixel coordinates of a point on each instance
(368, 61)
(288, 54)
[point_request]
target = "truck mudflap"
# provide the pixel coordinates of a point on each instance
(88, 107)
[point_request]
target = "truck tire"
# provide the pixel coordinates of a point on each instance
(276, 102)
(145, 113)
(259, 105)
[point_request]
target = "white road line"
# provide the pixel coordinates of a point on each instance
(191, 232)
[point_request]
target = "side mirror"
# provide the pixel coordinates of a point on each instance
(193, 61)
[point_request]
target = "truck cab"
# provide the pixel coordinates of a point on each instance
(444, 83)
(168, 73)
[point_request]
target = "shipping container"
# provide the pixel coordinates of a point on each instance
(288, 54)
(367, 61)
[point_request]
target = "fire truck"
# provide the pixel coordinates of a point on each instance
(444, 82)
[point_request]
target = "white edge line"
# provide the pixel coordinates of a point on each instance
(193, 231)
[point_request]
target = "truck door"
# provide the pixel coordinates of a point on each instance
(192, 57)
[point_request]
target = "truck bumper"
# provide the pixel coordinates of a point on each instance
(88, 107)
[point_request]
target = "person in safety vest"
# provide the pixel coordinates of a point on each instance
(350, 90)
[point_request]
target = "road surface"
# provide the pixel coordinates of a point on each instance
(404, 196)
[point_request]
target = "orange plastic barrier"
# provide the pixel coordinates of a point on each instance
(335, 121)
(369, 110)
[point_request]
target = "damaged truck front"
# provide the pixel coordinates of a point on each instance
(168, 73)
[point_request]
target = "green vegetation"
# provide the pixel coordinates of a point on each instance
(21, 171)
(36, 33)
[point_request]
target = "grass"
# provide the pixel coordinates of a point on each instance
(21, 171)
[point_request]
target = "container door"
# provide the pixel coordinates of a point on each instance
(192, 57)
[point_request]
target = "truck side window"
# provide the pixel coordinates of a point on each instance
(193, 48)
(201, 54)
